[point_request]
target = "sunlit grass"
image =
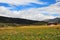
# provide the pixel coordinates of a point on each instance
(30, 33)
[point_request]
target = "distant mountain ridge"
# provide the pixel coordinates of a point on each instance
(19, 21)
(26, 21)
(55, 20)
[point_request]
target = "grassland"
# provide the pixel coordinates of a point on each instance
(30, 33)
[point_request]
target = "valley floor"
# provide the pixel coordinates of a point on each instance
(30, 33)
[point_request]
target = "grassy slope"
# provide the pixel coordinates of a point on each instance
(30, 33)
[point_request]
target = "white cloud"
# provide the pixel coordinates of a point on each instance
(57, 0)
(20, 2)
(33, 13)
(52, 9)
(5, 12)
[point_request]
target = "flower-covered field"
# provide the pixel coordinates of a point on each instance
(30, 33)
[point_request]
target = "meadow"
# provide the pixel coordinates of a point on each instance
(30, 33)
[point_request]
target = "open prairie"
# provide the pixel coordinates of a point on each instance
(30, 33)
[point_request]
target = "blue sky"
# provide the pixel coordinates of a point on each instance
(28, 6)
(46, 8)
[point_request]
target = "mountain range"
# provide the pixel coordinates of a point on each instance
(22, 21)
(55, 20)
